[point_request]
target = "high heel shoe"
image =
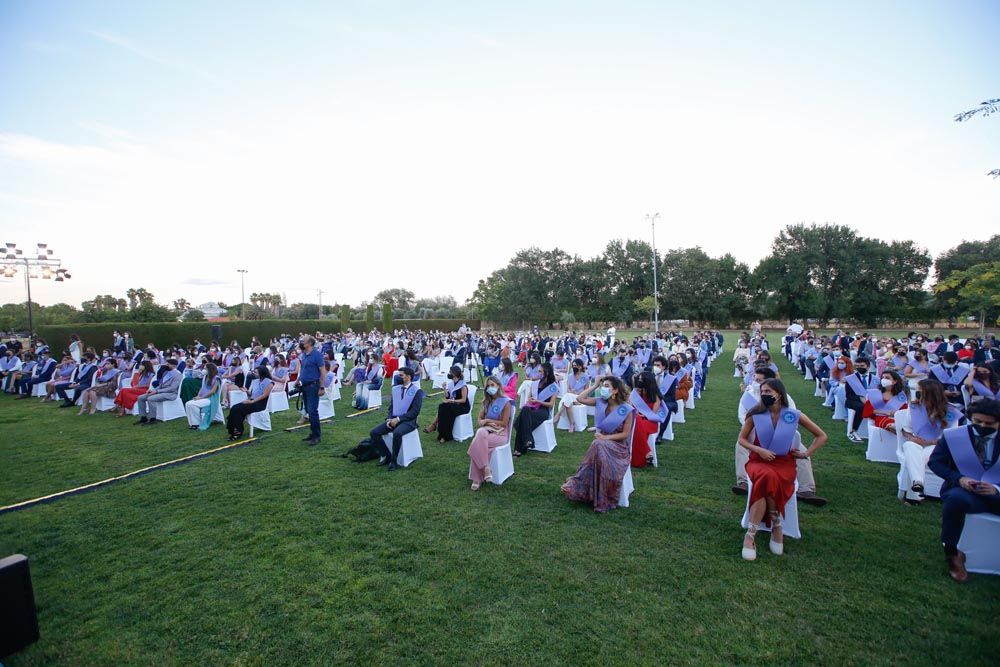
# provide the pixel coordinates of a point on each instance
(487, 474)
(777, 548)
(750, 553)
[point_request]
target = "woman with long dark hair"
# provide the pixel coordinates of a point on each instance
(202, 408)
(885, 399)
(126, 398)
(493, 431)
(650, 413)
(256, 402)
(455, 403)
(541, 399)
(770, 433)
(929, 414)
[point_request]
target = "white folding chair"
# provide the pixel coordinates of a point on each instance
(790, 519)
(578, 413)
(502, 458)
(168, 410)
(544, 437)
(679, 415)
(462, 430)
(409, 450)
(881, 445)
(980, 542)
(277, 401)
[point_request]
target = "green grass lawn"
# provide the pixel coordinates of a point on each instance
(277, 553)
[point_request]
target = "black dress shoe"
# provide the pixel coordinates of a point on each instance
(308, 438)
(312, 442)
(393, 466)
(384, 461)
(740, 488)
(154, 420)
(66, 404)
(810, 498)
(141, 421)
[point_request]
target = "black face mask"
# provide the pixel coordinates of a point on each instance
(984, 431)
(768, 400)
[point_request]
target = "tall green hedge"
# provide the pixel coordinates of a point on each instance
(182, 333)
(387, 317)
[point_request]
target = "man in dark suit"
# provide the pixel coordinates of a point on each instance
(84, 378)
(966, 459)
(404, 408)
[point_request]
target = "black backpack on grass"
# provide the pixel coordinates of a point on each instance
(365, 451)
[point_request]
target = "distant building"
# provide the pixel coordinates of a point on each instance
(212, 310)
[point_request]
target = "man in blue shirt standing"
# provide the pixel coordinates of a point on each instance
(311, 382)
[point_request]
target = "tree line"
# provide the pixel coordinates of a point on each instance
(821, 272)
(818, 272)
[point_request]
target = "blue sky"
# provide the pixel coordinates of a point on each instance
(183, 141)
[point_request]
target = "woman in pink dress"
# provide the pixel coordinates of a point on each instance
(493, 431)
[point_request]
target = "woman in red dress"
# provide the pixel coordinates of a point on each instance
(126, 398)
(645, 398)
(770, 432)
(884, 400)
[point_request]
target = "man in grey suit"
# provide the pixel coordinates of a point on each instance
(166, 390)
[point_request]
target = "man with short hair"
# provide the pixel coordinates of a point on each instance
(966, 459)
(312, 372)
(404, 408)
(167, 389)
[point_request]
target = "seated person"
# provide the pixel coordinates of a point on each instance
(918, 368)
(885, 399)
(666, 371)
(233, 379)
(494, 431)
(261, 385)
(27, 368)
(769, 434)
(576, 383)
(202, 408)
(84, 377)
(598, 479)
(61, 378)
(141, 379)
(966, 459)
(951, 374)
(371, 381)
(404, 409)
(982, 382)
(10, 365)
(166, 390)
(541, 398)
(929, 415)
(650, 412)
(455, 403)
(508, 378)
(855, 386)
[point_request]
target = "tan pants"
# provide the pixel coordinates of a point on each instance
(803, 469)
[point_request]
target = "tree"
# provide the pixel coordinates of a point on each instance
(151, 312)
(630, 270)
(386, 316)
(978, 289)
(182, 304)
(370, 317)
(960, 258)
(194, 315)
(345, 317)
(566, 319)
(646, 305)
(302, 311)
(985, 108)
(398, 298)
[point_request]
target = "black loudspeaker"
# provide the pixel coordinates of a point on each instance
(18, 618)
(217, 333)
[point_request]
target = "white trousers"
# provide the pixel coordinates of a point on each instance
(193, 409)
(915, 459)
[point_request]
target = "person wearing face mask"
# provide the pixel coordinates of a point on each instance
(621, 365)
(372, 380)
(929, 415)
(667, 382)
(983, 382)
(508, 378)
(10, 365)
(967, 352)
(917, 369)
(541, 399)
(884, 400)
(951, 374)
(260, 389)
(455, 403)
(84, 378)
(650, 413)
(966, 459)
(493, 431)
(576, 383)
(401, 418)
(741, 359)
(769, 435)
(598, 479)
(986, 352)
(643, 356)
(532, 373)
(856, 386)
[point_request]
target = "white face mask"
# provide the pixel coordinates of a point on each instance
(658, 370)
(886, 382)
(604, 393)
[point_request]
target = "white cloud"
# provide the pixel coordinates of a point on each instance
(146, 53)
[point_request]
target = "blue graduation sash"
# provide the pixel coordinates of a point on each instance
(776, 438)
(643, 408)
(402, 398)
(548, 392)
(854, 382)
(609, 421)
(950, 379)
(983, 390)
(619, 366)
(963, 453)
(496, 407)
(922, 426)
(879, 403)
(577, 385)
(748, 401)
(455, 388)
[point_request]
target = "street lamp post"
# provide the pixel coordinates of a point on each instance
(14, 258)
(243, 297)
(656, 293)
